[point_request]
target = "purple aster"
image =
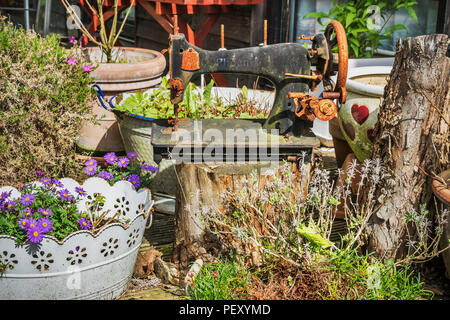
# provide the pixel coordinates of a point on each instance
(23, 186)
(35, 234)
(39, 173)
(80, 191)
(90, 170)
(110, 158)
(124, 177)
(45, 224)
(45, 212)
(10, 205)
(4, 196)
(145, 167)
(105, 175)
(132, 155)
(65, 194)
(27, 199)
(84, 224)
(45, 181)
(135, 181)
(91, 162)
(57, 183)
(153, 169)
(23, 223)
(123, 162)
(27, 212)
(32, 223)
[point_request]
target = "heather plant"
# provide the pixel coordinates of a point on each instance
(44, 96)
(121, 168)
(272, 226)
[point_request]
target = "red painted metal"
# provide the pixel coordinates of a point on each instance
(211, 2)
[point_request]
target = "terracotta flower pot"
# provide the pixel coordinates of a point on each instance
(144, 71)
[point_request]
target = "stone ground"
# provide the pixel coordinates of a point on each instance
(160, 237)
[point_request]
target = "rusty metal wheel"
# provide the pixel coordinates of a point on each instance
(335, 36)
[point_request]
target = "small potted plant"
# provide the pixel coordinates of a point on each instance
(115, 69)
(365, 23)
(64, 240)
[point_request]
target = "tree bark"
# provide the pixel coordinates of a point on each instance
(412, 131)
(200, 187)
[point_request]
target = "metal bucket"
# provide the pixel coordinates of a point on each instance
(82, 266)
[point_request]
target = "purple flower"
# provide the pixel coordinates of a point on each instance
(91, 162)
(90, 170)
(10, 205)
(72, 62)
(135, 181)
(72, 39)
(105, 175)
(147, 167)
(32, 223)
(27, 199)
(132, 155)
(84, 224)
(35, 234)
(23, 186)
(27, 212)
(4, 196)
(45, 181)
(123, 162)
(80, 191)
(39, 173)
(23, 223)
(87, 68)
(124, 177)
(45, 224)
(45, 212)
(65, 194)
(110, 158)
(57, 183)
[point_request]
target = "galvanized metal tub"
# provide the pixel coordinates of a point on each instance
(82, 266)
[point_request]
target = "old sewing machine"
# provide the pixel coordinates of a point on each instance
(287, 65)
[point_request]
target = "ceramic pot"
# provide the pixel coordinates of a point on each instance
(358, 115)
(145, 72)
(83, 265)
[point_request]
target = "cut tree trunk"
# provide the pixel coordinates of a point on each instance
(200, 189)
(412, 131)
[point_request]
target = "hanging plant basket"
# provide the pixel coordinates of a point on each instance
(83, 265)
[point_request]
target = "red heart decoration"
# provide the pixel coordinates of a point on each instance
(360, 113)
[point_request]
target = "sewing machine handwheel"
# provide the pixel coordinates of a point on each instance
(340, 39)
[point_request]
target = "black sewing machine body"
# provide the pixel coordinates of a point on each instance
(270, 61)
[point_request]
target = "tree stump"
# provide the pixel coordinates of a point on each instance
(412, 131)
(200, 187)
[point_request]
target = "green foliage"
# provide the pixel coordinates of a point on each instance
(356, 276)
(357, 17)
(226, 279)
(157, 105)
(42, 102)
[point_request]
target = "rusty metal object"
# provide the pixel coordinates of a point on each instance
(303, 37)
(190, 60)
(341, 41)
(312, 107)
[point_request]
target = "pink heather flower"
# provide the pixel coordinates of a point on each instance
(72, 62)
(84, 224)
(72, 39)
(123, 162)
(35, 234)
(87, 68)
(45, 224)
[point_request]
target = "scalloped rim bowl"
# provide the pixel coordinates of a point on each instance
(83, 265)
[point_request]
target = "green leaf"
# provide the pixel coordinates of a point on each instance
(207, 93)
(412, 13)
